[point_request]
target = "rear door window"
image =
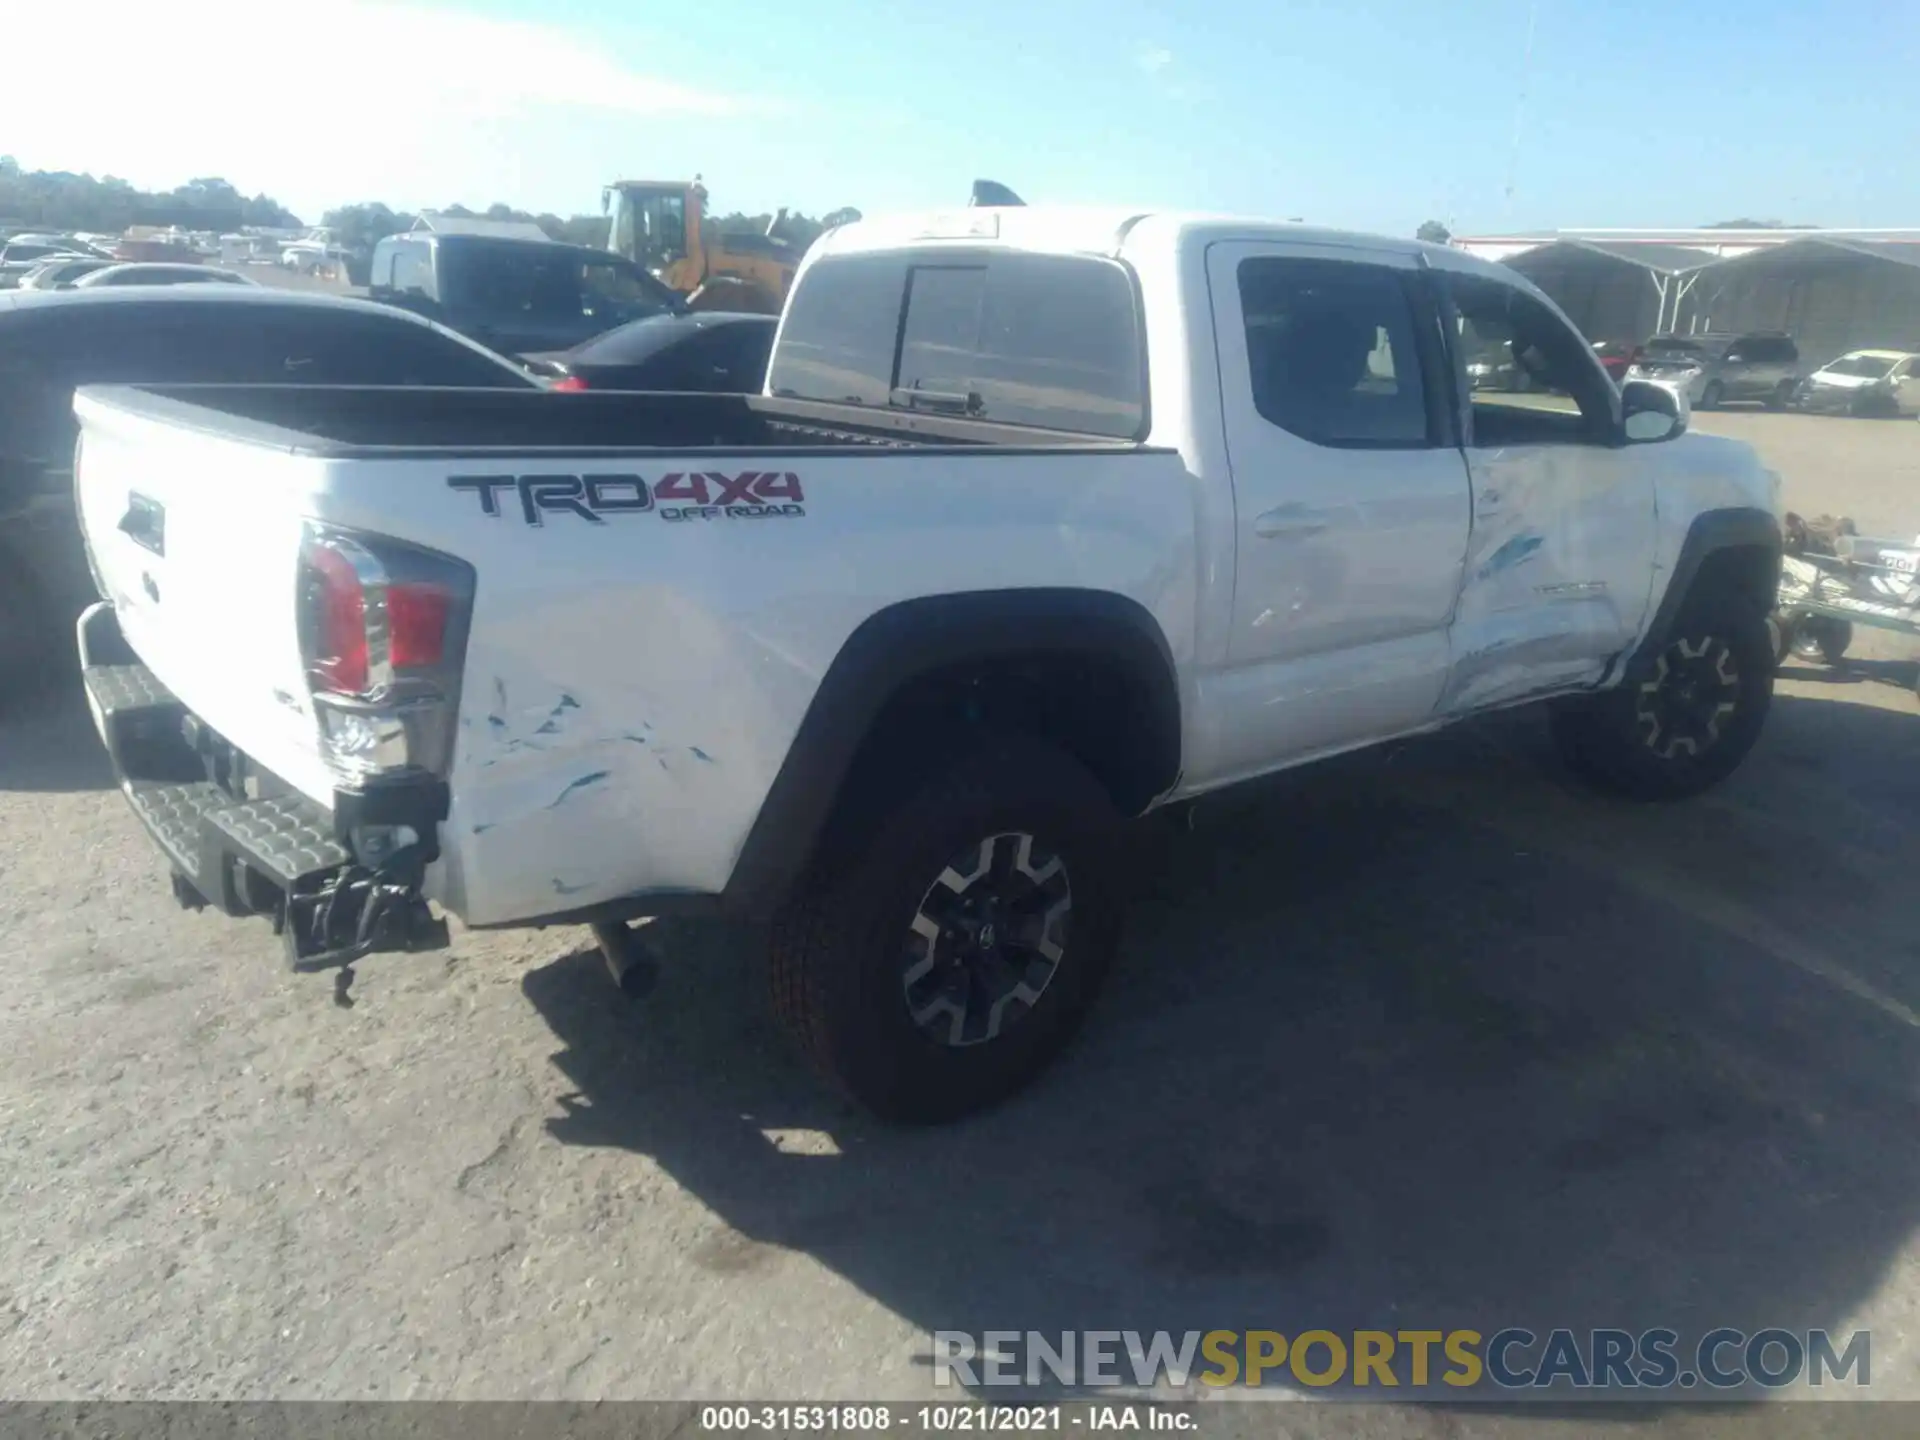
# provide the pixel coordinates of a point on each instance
(1051, 341)
(837, 342)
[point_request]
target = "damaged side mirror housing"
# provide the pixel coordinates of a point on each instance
(1650, 412)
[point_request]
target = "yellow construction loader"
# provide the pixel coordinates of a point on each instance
(658, 225)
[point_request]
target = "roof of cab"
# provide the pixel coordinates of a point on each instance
(1073, 230)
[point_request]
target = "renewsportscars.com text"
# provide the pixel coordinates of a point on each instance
(1449, 1361)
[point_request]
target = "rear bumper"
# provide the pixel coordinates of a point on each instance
(242, 842)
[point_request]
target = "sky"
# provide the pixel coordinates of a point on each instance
(1365, 114)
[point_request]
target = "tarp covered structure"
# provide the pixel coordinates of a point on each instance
(1832, 293)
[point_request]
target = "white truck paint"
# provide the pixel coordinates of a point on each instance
(632, 684)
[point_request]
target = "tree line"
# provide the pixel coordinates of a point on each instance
(62, 200)
(357, 227)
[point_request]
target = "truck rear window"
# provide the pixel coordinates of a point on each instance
(1051, 341)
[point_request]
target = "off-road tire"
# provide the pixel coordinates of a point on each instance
(1822, 639)
(1609, 741)
(841, 945)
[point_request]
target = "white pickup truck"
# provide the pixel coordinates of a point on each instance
(1047, 518)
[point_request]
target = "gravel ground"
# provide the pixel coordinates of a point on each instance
(1415, 1039)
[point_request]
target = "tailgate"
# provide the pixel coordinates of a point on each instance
(194, 533)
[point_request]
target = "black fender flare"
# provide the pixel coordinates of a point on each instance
(914, 638)
(1740, 527)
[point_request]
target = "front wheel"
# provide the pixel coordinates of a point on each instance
(1681, 722)
(1782, 396)
(943, 951)
(1711, 397)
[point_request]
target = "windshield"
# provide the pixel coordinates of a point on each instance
(1866, 367)
(608, 287)
(557, 283)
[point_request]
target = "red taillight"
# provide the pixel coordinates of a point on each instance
(382, 629)
(568, 382)
(350, 650)
(416, 625)
(339, 618)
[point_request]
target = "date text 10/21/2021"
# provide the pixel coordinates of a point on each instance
(945, 1419)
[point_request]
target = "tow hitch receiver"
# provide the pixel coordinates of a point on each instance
(332, 899)
(353, 913)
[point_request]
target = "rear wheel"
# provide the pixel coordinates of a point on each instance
(936, 960)
(1819, 638)
(1782, 396)
(1683, 720)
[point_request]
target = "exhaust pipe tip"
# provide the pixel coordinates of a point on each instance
(631, 961)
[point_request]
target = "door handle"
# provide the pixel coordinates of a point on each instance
(1288, 520)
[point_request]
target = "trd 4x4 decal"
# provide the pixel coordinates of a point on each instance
(706, 495)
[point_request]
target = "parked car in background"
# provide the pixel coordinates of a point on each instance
(1493, 367)
(713, 350)
(155, 251)
(40, 247)
(520, 297)
(51, 342)
(20, 257)
(1864, 382)
(1616, 357)
(61, 272)
(1759, 365)
(146, 274)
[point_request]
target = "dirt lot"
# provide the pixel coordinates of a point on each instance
(1419, 1039)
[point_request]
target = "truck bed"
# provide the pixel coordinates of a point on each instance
(347, 422)
(652, 659)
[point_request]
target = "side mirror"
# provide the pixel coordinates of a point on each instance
(1650, 411)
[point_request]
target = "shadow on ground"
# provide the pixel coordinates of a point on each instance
(47, 739)
(1421, 1040)
(1855, 671)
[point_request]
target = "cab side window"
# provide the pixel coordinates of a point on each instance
(1332, 353)
(1530, 378)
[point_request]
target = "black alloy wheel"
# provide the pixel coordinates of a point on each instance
(986, 939)
(1682, 708)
